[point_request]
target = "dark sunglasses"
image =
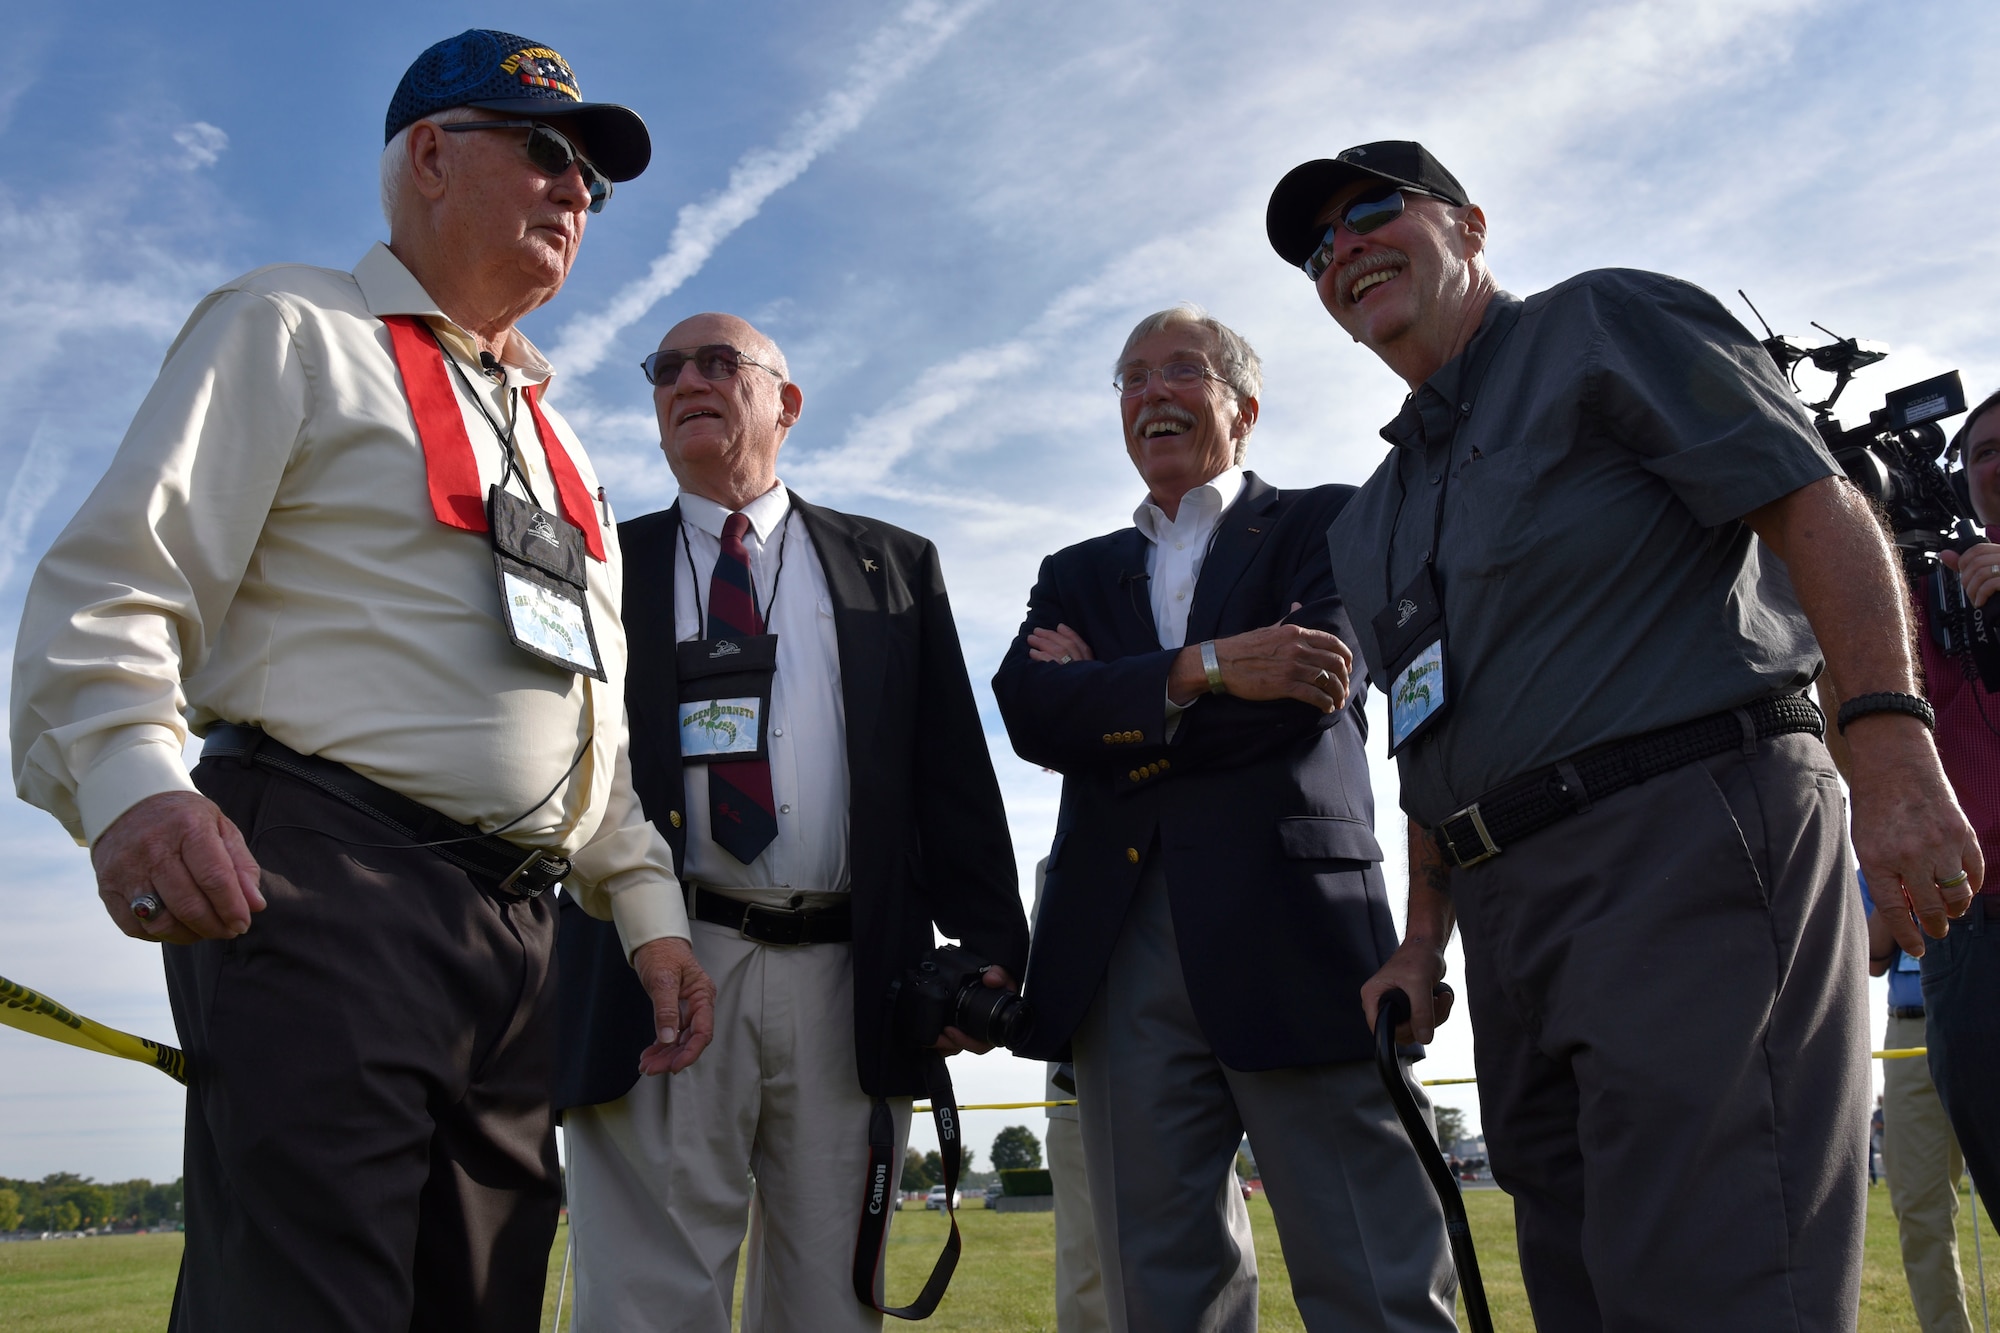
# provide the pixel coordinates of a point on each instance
(717, 361)
(1369, 213)
(550, 151)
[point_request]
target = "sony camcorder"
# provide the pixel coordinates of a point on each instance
(1898, 458)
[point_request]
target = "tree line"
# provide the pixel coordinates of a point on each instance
(69, 1202)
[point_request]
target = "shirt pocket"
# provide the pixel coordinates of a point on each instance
(1492, 517)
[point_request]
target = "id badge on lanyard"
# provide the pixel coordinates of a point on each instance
(725, 697)
(544, 593)
(1410, 631)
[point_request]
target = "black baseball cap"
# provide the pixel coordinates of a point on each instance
(499, 71)
(1289, 219)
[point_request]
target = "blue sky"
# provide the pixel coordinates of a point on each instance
(948, 214)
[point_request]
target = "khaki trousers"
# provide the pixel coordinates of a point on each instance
(1079, 1274)
(1920, 1157)
(769, 1126)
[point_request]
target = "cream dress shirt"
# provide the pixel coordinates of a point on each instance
(262, 550)
(808, 743)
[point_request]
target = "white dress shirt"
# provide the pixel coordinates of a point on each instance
(263, 551)
(808, 721)
(1178, 546)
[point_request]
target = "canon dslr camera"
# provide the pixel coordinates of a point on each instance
(947, 988)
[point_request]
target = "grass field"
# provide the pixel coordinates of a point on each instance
(123, 1284)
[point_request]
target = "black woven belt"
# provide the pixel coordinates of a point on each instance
(517, 873)
(1906, 1011)
(773, 925)
(1530, 803)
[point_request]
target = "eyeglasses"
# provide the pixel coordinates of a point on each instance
(549, 150)
(1174, 374)
(1369, 213)
(716, 361)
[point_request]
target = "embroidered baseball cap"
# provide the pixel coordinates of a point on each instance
(1290, 218)
(499, 71)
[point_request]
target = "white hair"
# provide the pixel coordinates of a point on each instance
(396, 157)
(1238, 362)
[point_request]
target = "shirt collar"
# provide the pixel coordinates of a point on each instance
(389, 288)
(765, 512)
(1429, 413)
(1203, 504)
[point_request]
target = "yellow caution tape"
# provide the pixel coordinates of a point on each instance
(1900, 1053)
(31, 1011)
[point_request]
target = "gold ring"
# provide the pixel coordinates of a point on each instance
(1960, 878)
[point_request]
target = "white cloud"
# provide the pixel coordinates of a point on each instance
(204, 144)
(902, 46)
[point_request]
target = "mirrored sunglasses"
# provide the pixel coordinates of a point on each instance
(550, 151)
(1366, 214)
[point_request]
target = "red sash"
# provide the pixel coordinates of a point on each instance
(457, 498)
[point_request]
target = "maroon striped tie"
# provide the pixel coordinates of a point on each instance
(742, 814)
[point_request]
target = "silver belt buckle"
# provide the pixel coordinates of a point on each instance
(1471, 812)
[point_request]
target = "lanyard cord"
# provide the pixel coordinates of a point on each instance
(509, 466)
(1489, 341)
(694, 581)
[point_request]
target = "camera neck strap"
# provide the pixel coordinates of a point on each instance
(879, 1199)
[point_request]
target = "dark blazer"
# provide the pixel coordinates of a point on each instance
(1261, 813)
(927, 834)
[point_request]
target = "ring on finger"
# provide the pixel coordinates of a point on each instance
(1065, 659)
(146, 906)
(1962, 877)
(1323, 677)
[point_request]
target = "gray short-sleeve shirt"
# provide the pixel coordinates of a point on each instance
(1597, 579)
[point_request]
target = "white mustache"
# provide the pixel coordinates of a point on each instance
(1162, 412)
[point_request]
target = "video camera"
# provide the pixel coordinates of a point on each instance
(1898, 459)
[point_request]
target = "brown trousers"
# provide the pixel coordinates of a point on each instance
(369, 1147)
(1667, 1000)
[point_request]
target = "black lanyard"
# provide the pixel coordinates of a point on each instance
(694, 579)
(509, 466)
(1489, 343)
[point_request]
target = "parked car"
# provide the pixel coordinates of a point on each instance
(934, 1201)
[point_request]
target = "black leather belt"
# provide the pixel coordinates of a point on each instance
(1530, 803)
(518, 874)
(1906, 1011)
(765, 924)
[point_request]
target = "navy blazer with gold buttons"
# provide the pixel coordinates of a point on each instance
(1260, 813)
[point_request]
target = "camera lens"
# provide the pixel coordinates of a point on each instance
(996, 1017)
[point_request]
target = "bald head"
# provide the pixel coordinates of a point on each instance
(721, 437)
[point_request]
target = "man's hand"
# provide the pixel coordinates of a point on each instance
(953, 1041)
(1978, 571)
(1276, 662)
(1908, 831)
(683, 1004)
(1415, 969)
(1061, 644)
(184, 851)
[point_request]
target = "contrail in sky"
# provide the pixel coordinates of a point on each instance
(908, 41)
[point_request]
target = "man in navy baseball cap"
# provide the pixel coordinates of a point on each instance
(499, 71)
(334, 477)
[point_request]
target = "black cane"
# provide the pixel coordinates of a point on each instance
(1393, 1012)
